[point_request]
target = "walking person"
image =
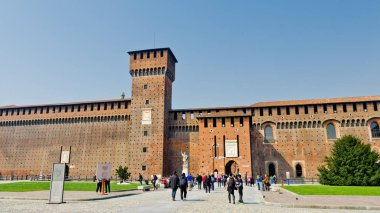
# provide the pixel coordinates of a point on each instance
(155, 182)
(258, 182)
(240, 188)
(99, 185)
(231, 187)
(108, 185)
(190, 182)
(219, 181)
(174, 184)
(183, 186)
(204, 177)
(246, 178)
(208, 183)
(140, 178)
(212, 181)
(199, 181)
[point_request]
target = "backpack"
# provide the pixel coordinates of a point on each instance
(231, 183)
(182, 182)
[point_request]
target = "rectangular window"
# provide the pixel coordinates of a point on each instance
(192, 115)
(146, 102)
(92, 107)
(354, 107)
(315, 109)
(35, 110)
(148, 54)
(29, 111)
(78, 107)
(232, 122)
(72, 108)
(23, 111)
(183, 116)
(154, 54)
(47, 110)
(126, 105)
(241, 121)
(287, 110)
(143, 168)
(162, 53)
(141, 55)
(344, 107)
(334, 108)
(206, 123)
(134, 56)
(278, 110)
(145, 149)
(145, 133)
(145, 86)
(66, 108)
(175, 116)
(85, 107)
(325, 108)
(6, 112)
(112, 105)
(18, 111)
(296, 109)
(223, 122)
(270, 111)
(118, 105)
(365, 107)
(105, 106)
(261, 112)
(60, 109)
(306, 109)
(12, 112)
(41, 110)
(53, 109)
(213, 122)
(374, 106)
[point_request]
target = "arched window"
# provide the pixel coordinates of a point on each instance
(268, 132)
(298, 170)
(375, 131)
(331, 134)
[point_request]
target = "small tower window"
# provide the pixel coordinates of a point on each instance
(374, 106)
(278, 110)
(315, 109)
(354, 107)
(306, 109)
(143, 167)
(145, 149)
(299, 170)
(134, 56)
(145, 86)
(162, 53)
(297, 111)
(148, 54)
(287, 110)
(141, 55)
(334, 108)
(154, 54)
(223, 122)
(146, 102)
(344, 107)
(145, 133)
(365, 107)
(268, 133)
(232, 122)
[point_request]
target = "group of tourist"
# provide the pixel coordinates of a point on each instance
(107, 185)
(264, 182)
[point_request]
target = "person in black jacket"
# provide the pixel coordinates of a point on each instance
(174, 184)
(231, 187)
(183, 186)
(199, 181)
(208, 183)
(107, 185)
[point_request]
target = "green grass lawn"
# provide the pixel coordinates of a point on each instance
(334, 190)
(69, 186)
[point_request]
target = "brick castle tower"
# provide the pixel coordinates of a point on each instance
(153, 72)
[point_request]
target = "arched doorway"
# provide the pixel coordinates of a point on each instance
(298, 170)
(271, 169)
(231, 167)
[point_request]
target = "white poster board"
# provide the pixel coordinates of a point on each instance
(65, 157)
(231, 149)
(146, 116)
(287, 174)
(103, 170)
(57, 183)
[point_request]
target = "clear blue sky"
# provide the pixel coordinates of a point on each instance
(230, 52)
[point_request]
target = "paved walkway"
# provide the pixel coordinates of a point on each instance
(158, 201)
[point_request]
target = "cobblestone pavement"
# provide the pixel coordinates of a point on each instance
(158, 201)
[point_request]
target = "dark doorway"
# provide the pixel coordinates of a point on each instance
(66, 171)
(271, 169)
(299, 170)
(231, 167)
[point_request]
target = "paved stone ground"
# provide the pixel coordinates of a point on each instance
(159, 201)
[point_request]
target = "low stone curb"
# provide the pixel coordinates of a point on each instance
(103, 197)
(315, 206)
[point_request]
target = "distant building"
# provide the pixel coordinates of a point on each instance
(147, 135)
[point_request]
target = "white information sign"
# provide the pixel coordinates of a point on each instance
(103, 170)
(146, 116)
(231, 149)
(65, 157)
